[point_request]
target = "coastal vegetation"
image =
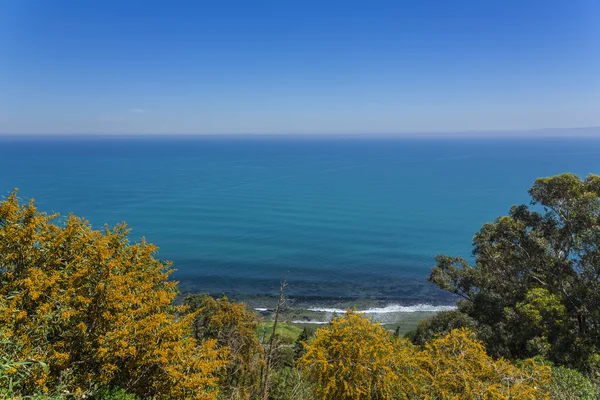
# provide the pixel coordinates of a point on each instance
(82, 309)
(534, 289)
(356, 359)
(86, 313)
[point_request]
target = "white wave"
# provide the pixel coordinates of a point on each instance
(310, 322)
(388, 309)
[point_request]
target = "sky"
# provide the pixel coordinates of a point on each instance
(304, 66)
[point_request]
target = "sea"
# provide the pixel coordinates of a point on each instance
(344, 219)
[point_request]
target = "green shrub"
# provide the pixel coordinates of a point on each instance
(6, 394)
(114, 394)
(440, 324)
(289, 384)
(568, 384)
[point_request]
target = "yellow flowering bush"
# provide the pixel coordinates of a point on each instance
(236, 331)
(456, 366)
(355, 358)
(351, 359)
(95, 309)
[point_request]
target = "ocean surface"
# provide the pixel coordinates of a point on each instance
(344, 218)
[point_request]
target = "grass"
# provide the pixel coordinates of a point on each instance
(288, 333)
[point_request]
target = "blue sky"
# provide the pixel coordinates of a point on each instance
(301, 66)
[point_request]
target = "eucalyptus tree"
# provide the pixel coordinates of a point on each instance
(534, 288)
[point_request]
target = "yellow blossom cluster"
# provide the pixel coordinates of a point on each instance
(94, 309)
(357, 359)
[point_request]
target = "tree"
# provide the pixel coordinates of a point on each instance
(300, 344)
(95, 309)
(535, 287)
(236, 331)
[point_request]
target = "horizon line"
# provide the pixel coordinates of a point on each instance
(589, 131)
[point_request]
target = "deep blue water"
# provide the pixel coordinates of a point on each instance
(346, 217)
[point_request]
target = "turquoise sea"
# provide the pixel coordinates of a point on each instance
(343, 217)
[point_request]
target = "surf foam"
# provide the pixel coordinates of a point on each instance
(310, 322)
(388, 309)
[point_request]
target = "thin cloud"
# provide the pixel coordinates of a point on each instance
(138, 110)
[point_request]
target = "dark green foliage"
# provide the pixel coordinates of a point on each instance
(299, 347)
(114, 394)
(410, 335)
(535, 287)
(441, 324)
(196, 302)
(284, 357)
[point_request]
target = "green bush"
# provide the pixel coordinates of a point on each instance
(114, 394)
(289, 384)
(440, 324)
(9, 394)
(568, 384)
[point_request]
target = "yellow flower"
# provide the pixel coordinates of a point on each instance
(95, 309)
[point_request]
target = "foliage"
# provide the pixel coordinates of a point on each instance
(300, 343)
(351, 359)
(534, 288)
(357, 359)
(102, 394)
(95, 309)
(541, 316)
(440, 324)
(114, 394)
(14, 370)
(287, 333)
(235, 330)
(568, 384)
(7, 394)
(288, 383)
(456, 366)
